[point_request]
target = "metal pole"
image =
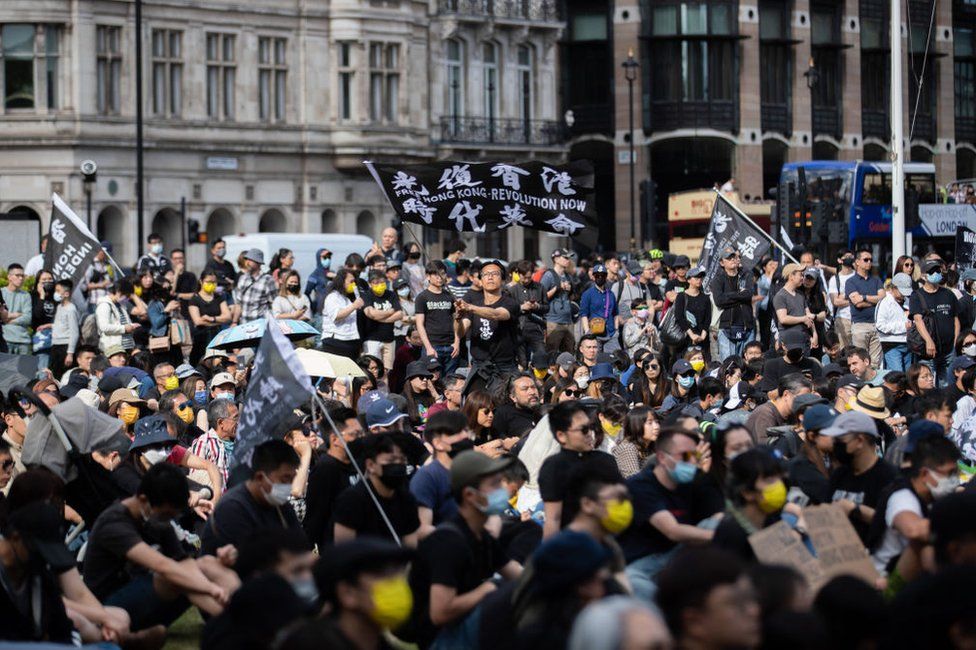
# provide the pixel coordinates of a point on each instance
(139, 169)
(897, 147)
(183, 223)
(88, 202)
(633, 227)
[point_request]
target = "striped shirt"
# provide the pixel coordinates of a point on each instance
(210, 447)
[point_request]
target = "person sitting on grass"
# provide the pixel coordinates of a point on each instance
(135, 561)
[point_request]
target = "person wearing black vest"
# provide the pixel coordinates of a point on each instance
(734, 291)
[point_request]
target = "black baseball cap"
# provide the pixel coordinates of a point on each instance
(39, 524)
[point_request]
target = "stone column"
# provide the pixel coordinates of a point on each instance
(748, 164)
(945, 119)
(801, 142)
(852, 142)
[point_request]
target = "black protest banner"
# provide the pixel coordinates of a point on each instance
(493, 196)
(71, 247)
(965, 249)
(278, 384)
(728, 229)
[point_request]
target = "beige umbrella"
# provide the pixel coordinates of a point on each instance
(343, 365)
(316, 363)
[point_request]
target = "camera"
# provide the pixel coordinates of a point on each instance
(88, 170)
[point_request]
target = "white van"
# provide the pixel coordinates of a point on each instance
(304, 246)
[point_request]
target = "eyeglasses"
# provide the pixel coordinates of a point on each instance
(490, 274)
(569, 392)
(910, 264)
(867, 259)
(184, 406)
(686, 456)
(654, 366)
(7, 465)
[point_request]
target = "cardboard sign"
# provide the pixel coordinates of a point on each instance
(839, 550)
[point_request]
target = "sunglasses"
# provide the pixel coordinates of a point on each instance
(569, 392)
(7, 465)
(654, 366)
(688, 374)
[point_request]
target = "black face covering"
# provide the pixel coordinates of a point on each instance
(794, 356)
(841, 454)
(458, 447)
(394, 475)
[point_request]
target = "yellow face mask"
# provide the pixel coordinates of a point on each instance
(540, 374)
(620, 514)
(698, 365)
(392, 602)
(209, 287)
(351, 288)
(186, 413)
(138, 291)
(773, 498)
(611, 429)
(128, 414)
(516, 277)
(172, 382)
(378, 289)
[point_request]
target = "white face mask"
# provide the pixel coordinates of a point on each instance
(945, 486)
(155, 456)
(582, 382)
(969, 350)
(279, 494)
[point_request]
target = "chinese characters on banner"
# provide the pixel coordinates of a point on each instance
(493, 196)
(278, 384)
(729, 230)
(71, 247)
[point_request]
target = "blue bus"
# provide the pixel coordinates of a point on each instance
(860, 192)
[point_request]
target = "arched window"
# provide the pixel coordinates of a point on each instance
(875, 153)
(330, 222)
(273, 221)
(167, 223)
(110, 225)
(220, 224)
(366, 223)
(823, 150)
(965, 163)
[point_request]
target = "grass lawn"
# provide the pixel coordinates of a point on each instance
(184, 634)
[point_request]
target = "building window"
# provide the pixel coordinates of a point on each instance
(52, 65)
(221, 75)
(272, 71)
(825, 49)
(455, 78)
(965, 73)
(167, 71)
(18, 66)
(489, 62)
(693, 52)
(775, 56)
(346, 73)
(108, 73)
(384, 81)
(523, 69)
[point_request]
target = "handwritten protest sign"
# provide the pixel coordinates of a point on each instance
(839, 551)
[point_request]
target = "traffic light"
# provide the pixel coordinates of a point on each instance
(194, 236)
(820, 214)
(912, 220)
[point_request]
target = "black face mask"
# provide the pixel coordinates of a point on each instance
(48, 288)
(413, 256)
(394, 475)
(458, 447)
(794, 356)
(294, 289)
(841, 454)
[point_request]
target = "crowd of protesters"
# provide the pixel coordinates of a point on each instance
(537, 454)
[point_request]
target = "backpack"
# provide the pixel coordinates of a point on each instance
(916, 344)
(89, 331)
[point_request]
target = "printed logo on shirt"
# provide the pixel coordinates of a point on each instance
(854, 497)
(486, 331)
(440, 304)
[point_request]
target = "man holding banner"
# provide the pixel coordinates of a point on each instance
(734, 292)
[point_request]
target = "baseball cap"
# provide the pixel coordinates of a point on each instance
(697, 272)
(565, 360)
(112, 350)
(540, 360)
(655, 254)
(811, 273)
(382, 413)
(903, 282)
(805, 400)
(599, 268)
(369, 398)
(849, 380)
(819, 416)
(469, 466)
(728, 252)
(126, 395)
(563, 252)
(634, 268)
(852, 422)
(832, 369)
(222, 378)
(39, 523)
(794, 339)
(920, 430)
(962, 362)
(680, 367)
(681, 260)
(255, 255)
(968, 274)
(932, 265)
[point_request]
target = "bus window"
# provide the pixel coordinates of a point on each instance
(924, 184)
(877, 189)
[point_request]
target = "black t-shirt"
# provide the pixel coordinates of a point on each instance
(804, 474)
(494, 341)
(238, 516)
(438, 311)
(650, 497)
(863, 489)
(115, 533)
(17, 613)
(731, 536)
(556, 470)
(208, 308)
(454, 557)
(944, 307)
(376, 331)
(355, 509)
(676, 285)
(776, 369)
(513, 421)
(327, 480)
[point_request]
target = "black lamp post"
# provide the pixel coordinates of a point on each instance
(139, 144)
(630, 73)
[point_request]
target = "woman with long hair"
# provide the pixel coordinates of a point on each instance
(361, 386)
(340, 334)
(419, 392)
(43, 309)
(693, 313)
(906, 264)
(966, 343)
(921, 381)
(651, 384)
(565, 390)
(209, 313)
(160, 308)
(291, 303)
(281, 261)
(728, 442)
(479, 408)
(641, 428)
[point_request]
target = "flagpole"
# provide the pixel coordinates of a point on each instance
(758, 227)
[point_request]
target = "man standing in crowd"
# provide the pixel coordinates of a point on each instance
(435, 319)
(942, 306)
(532, 300)
(836, 291)
(492, 319)
(387, 246)
(734, 291)
(598, 310)
(154, 261)
(224, 270)
(558, 285)
(382, 311)
(255, 291)
(790, 305)
(16, 329)
(892, 321)
(865, 291)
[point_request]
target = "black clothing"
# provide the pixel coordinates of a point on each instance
(438, 311)
(733, 295)
(355, 509)
(556, 470)
(511, 420)
(238, 516)
(863, 489)
(19, 621)
(375, 330)
(776, 369)
(944, 307)
(804, 475)
(328, 479)
(224, 270)
(494, 341)
(42, 312)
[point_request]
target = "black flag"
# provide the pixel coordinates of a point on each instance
(71, 247)
(965, 249)
(728, 229)
(278, 384)
(493, 196)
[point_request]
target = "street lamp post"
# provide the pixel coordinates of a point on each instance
(89, 174)
(139, 144)
(630, 73)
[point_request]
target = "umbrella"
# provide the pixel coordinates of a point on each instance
(16, 370)
(316, 363)
(72, 428)
(344, 366)
(248, 335)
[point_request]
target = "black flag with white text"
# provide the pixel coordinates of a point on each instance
(728, 229)
(71, 247)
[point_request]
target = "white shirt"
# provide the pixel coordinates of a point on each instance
(345, 329)
(34, 265)
(894, 543)
(836, 288)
